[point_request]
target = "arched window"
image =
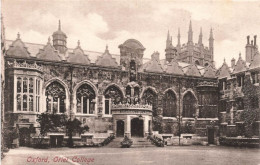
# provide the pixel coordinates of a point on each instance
(189, 105)
(150, 97)
(55, 98)
(197, 62)
(206, 65)
(169, 106)
(86, 99)
(112, 95)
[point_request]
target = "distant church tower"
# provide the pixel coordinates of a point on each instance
(170, 51)
(60, 40)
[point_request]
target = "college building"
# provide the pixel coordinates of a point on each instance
(125, 94)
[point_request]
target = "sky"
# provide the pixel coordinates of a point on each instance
(97, 23)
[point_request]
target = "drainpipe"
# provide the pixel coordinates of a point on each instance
(179, 112)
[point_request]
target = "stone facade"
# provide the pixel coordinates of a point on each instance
(239, 95)
(109, 93)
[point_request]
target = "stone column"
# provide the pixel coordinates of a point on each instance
(146, 126)
(128, 126)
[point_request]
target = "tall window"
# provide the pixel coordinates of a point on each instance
(170, 106)
(85, 99)
(189, 103)
(26, 94)
(150, 97)
(255, 77)
(240, 80)
(112, 95)
(55, 98)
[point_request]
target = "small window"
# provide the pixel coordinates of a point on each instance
(107, 107)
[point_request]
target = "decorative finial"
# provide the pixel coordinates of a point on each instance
(239, 54)
(49, 40)
(106, 47)
(59, 25)
(18, 35)
(78, 43)
(224, 60)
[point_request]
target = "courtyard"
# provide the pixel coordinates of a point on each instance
(118, 156)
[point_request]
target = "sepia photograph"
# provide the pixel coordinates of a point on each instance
(137, 82)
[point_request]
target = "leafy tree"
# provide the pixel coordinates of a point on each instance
(74, 126)
(50, 122)
(251, 108)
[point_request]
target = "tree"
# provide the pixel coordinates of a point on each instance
(50, 122)
(251, 106)
(74, 126)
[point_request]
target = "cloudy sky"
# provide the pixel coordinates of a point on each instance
(97, 23)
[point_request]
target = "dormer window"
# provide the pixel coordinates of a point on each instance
(255, 77)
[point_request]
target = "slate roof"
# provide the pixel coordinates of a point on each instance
(49, 53)
(78, 55)
(240, 66)
(18, 48)
(106, 60)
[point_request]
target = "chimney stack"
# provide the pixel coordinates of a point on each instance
(248, 38)
(252, 42)
(255, 40)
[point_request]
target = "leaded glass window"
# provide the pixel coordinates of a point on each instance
(55, 98)
(170, 107)
(85, 99)
(189, 105)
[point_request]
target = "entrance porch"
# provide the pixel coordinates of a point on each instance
(132, 120)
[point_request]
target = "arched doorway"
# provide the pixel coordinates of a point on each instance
(137, 127)
(120, 128)
(24, 136)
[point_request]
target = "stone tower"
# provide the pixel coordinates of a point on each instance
(60, 40)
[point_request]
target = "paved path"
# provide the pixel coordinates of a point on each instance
(190, 155)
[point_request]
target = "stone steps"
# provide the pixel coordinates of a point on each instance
(141, 143)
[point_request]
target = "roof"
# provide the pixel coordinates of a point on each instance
(223, 71)
(33, 50)
(49, 53)
(78, 56)
(106, 60)
(133, 44)
(18, 48)
(240, 66)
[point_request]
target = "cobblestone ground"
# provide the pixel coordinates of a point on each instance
(190, 155)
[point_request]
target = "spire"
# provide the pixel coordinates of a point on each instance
(211, 42)
(179, 38)
(18, 35)
(211, 34)
(106, 51)
(168, 41)
(59, 26)
(190, 35)
(78, 43)
(200, 37)
(49, 40)
(168, 35)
